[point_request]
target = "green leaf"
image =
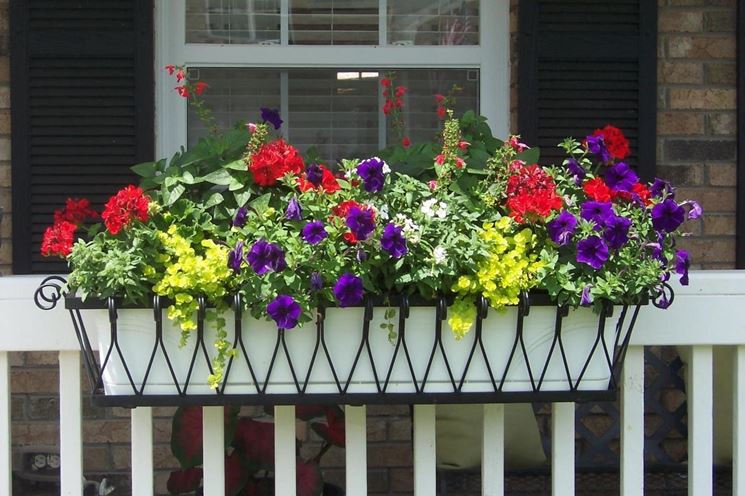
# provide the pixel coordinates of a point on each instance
(220, 176)
(214, 199)
(261, 203)
(175, 194)
(242, 197)
(238, 165)
(145, 169)
(530, 156)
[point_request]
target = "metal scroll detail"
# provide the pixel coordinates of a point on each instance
(610, 352)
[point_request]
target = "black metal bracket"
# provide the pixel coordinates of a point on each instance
(52, 290)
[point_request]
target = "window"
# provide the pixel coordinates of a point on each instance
(320, 62)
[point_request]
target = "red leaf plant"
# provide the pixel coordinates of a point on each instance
(249, 451)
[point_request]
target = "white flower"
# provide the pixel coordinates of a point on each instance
(409, 227)
(439, 254)
(383, 211)
(433, 208)
(386, 168)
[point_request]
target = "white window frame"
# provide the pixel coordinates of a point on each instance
(491, 57)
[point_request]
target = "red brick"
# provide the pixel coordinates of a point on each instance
(682, 175)
(96, 459)
(680, 123)
(703, 99)
(723, 124)
(106, 431)
(35, 433)
(389, 455)
(719, 225)
(376, 429)
(680, 21)
(42, 358)
(721, 174)
(680, 72)
(34, 380)
(402, 479)
(709, 250)
(400, 429)
(702, 47)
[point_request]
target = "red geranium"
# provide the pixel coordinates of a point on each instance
(597, 190)
(329, 184)
(531, 193)
(642, 192)
(273, 160)
(341, 211)
(58, 239)
(75, 211)
(129, 203)
(614, 140)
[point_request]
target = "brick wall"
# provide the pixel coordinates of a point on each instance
(696, 146)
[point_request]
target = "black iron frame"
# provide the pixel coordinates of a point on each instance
(51, 291)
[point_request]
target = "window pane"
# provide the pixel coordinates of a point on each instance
(233, 95)
(232, 21)
(333, 22)
(433, 22)
(336, 110)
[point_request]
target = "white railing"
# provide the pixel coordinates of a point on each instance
(710, 312)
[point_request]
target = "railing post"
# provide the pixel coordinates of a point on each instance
(562, 449)
(213, 449)
(425, 468)
(5, 453)
(700, 422)
(632, 423)
(355, 418)
(738, 420)
(71, 430)
(492, 451)
(284, 450)
(142, 451)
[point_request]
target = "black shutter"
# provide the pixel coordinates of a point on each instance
(82, 109)
(586, 63)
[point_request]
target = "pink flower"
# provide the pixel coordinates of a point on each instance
(201, 86)
(459, 162)
(439, 98)
(251, 127)
(170, 68)
(406, 142)
(432, 184)
(180, 75)
(183, 91)
(463, 145)
(440, 159)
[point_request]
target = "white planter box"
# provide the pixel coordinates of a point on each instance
(343, 334)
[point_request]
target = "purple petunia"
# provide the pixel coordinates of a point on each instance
(586, 298)
(682, 263)
(596, 145)
(285, 311)
(660, 187)
(314, 232)
(372, 174)
(265, 256)
(316, 282)
(361, 221)
(667, 216)
(592, 251)
(240, 217)
(294, 210)
(620, 177)
(694, 209)
(314, 174)
(598, 212)
(393, 241)
(361, 255)
(561, 228)
(271, 116)
(616, 232)
(348, 290)
(235, 257)
(577, 170)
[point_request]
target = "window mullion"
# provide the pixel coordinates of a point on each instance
(284, 22)
(284, 103)
(382, 22)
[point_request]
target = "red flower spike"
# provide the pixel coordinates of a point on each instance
(170, 68)
(401, 91)
(597, 190)
(58, 239)
(441, 112)
(180, 75)
(273, 160)
(186, 433)
(385, 82)
(183, 91)
(127, 204)
(200, 87)
(463, 145)
(255, 440)
(184, 481)
(405, 142)
(309, 481)
(439, 98)
(615, 141)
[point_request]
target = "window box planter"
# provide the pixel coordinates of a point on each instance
(531, 352)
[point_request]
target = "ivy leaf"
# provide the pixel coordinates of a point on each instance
(220, 176)
(145, 169)
(242, 197)
(175, 194)
(261, 203)
(238, 165)
(214, 199)
(529, 156)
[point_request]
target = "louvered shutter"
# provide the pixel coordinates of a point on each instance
(82, 109)
(587, 63)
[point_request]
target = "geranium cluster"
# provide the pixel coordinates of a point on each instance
(59, 238)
